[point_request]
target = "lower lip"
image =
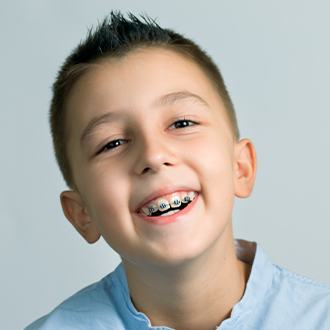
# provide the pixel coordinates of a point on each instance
(163, 220)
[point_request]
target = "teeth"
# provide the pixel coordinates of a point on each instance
(163, 204)
(152, 208)
(191, 195)
(175, 201)
(169, 213)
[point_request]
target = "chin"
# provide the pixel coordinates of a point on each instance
(179, 254)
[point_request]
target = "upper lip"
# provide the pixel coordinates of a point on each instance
(161, 192)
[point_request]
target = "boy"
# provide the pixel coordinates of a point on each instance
(146, 137)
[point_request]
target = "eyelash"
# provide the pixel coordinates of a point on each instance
(185, 120)
(115, 142)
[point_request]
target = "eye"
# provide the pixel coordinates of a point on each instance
(112, 145)
(182, 123)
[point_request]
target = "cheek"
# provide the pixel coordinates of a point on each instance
(107, 195)
(215, 171)
(212, 156)
(111, 214)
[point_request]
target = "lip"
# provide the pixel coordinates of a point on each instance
(161, 192)
(171, 218)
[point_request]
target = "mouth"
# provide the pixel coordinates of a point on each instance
(163, 211)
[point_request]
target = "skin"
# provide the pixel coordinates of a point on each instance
(191, 264)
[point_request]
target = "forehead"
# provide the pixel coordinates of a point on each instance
(137, 77)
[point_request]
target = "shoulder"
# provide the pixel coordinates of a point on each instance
(297, 302)
(278, 298)
(300, 287)
(94, 302)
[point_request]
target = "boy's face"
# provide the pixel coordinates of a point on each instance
(152, 152)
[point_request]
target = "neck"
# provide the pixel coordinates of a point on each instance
(197, 295)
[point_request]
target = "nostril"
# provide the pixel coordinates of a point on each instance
(145, 170)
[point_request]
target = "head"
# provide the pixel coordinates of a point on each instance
(137, 112)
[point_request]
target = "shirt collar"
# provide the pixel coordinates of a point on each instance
(258, 284)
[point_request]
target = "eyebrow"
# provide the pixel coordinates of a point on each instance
(164, 100)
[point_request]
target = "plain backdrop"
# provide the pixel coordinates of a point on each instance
(274, 56)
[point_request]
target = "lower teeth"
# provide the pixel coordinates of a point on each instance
(169, 213)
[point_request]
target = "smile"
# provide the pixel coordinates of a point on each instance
(167, 205)
(170, 214)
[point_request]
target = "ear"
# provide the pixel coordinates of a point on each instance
(75, 211)
(245, 168)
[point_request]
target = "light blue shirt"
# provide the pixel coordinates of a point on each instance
(275, 298)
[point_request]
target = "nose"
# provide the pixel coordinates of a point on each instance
(153, 155)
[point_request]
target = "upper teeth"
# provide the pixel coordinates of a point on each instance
(164, 203)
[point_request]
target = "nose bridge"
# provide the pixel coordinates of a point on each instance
(153, 151)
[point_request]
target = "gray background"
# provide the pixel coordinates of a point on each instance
(274, 56)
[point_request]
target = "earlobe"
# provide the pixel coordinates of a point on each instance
(76, 212)
(245, 168)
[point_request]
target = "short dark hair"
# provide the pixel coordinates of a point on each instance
(115, 36)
